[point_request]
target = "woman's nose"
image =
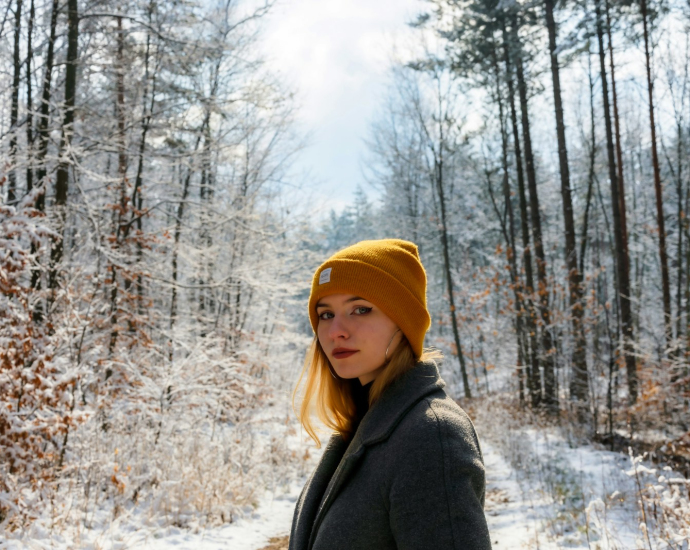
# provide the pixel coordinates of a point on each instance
(338, 328)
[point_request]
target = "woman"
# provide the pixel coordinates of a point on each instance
(404, 469)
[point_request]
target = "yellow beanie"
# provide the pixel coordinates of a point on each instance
(386, 272)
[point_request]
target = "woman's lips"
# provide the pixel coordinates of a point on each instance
(343, 353)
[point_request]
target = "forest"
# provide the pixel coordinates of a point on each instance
(157, 249)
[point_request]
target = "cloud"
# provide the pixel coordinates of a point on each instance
(336, 54)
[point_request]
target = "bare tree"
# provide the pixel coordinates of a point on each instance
(658, 190)
(619, 223)
(579, 383)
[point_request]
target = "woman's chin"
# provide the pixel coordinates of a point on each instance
(345, 373)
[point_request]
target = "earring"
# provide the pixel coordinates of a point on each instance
(385, 356)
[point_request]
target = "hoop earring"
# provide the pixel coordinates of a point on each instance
(385, 355)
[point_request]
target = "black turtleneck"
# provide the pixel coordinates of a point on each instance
(360, 395)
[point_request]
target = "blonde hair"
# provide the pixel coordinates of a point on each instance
(331, 396)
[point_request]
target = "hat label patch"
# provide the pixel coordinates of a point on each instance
(325, 276)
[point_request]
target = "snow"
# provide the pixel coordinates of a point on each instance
(546, 492)
(271, 518)
(511, 519)
(542, 492)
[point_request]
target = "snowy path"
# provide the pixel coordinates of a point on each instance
(561, 496)
(509, 512)
(521, 509)
(511, 519)
(272, 518)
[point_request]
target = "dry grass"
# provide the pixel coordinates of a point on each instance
(277, 543)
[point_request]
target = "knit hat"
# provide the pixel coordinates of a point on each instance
(386, 272)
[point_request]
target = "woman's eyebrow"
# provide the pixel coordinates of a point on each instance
(353, 299)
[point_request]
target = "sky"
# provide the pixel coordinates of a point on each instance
(336, 55)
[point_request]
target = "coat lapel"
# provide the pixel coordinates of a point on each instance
(376, 426)
(352, 455)
(308, 503)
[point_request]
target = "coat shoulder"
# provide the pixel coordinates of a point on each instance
(435, 478)
(437, 416)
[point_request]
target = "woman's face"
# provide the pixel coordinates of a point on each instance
(355, 333)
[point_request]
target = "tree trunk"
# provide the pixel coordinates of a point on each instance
(686, 230)
(42, 133)
(29, 101)
(439, 182)
(121, 122)
(579, 382)
(535, 215)
(62, 178)
(178, 234)
(44, 115)
(176, 244)
(681, 220)
(676, 173)
(530, 357)
(592, 162)
(14, 109)
(509, 231)
(663, 257)
(619, 147)
(618, 209)
(122, 227)
(205, 236)
(449, 277)
(137, 197)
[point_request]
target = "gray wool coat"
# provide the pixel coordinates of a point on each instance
(412, 478)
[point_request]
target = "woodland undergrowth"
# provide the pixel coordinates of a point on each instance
(582, 494)
(194, 472)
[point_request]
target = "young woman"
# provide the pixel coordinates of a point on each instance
(404, 469)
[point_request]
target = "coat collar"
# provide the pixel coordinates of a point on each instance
(376, 426)
(382, 418)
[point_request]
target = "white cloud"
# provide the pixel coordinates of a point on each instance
(336, 53)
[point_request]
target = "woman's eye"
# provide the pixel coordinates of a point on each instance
(362, 310)
(325, 315)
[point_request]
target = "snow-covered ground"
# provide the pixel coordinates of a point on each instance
(524, 510)
(512, 522)
(544, 493)
(271, 518)
(541, 494)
